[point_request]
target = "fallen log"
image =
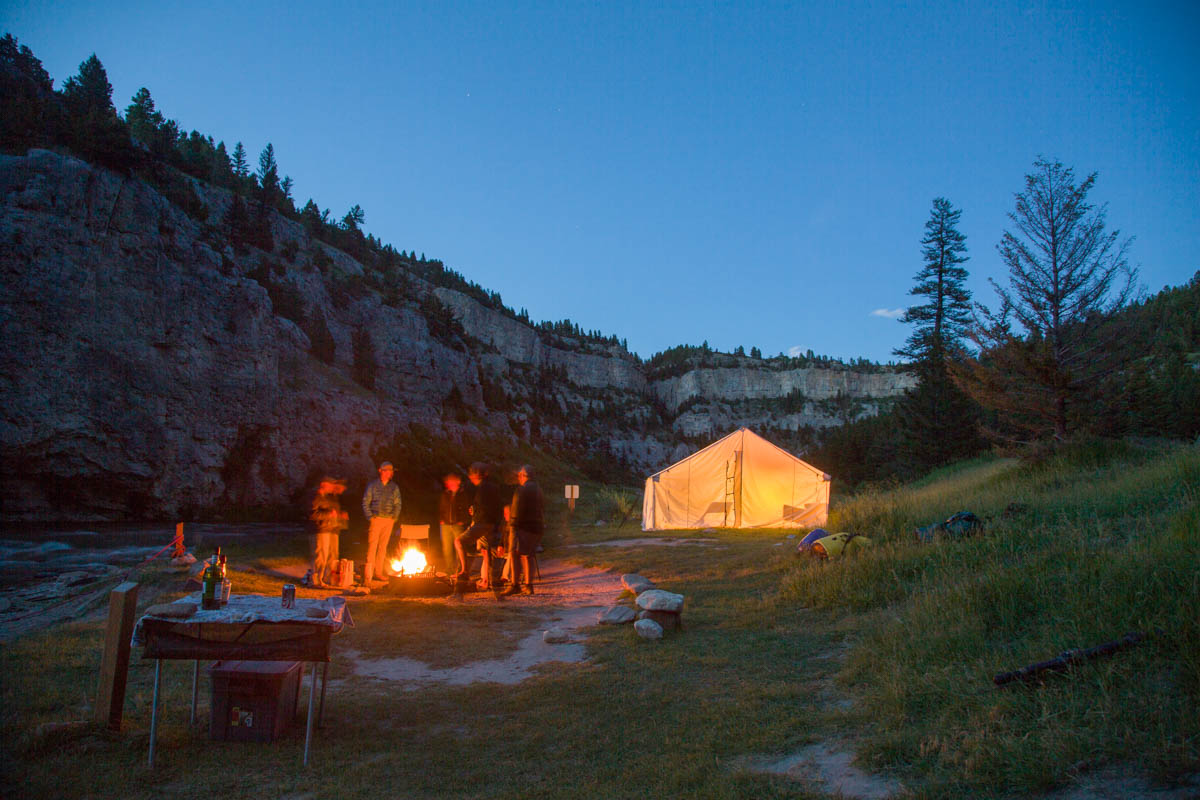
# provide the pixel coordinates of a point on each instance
(1067, 659)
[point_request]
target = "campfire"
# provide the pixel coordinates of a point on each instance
(412, 563)
(414, 576)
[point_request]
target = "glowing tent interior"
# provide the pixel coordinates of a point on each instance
(739, 481)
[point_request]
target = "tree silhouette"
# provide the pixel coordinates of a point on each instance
(937, 420)
(1067, 276)
(94, 129)
(32, 114)
(354, 218)
(143, 118)
(268, 178)
(241, 169)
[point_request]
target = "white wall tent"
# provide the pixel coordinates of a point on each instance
(740, 481)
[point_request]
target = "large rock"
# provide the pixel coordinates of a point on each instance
(659, 600)
(669, 620)
(556, 636)
(616, 615)
(760, 382)
(636, 583)
(152, 370)
(648, 629)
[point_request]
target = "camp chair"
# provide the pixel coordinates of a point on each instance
(414, 532)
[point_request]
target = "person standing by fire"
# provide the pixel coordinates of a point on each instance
(381, 507)
(454, 514)
(528, 526)
(487, 516)
(328, 520)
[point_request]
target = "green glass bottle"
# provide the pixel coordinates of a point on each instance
(210, 597)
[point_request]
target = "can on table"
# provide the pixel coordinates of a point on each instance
(289, 595)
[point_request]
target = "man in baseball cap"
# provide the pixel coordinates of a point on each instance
(381, 507)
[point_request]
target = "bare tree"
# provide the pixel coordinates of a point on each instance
(1067, 275)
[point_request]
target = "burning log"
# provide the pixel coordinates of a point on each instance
(412, 563)
(413, 576)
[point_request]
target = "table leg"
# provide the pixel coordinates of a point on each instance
(303, 672)
(324, 683)
(195, 689)
(312, 696)
(154, 709)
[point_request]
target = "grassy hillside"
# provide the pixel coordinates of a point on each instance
(888, 655)
(1099, 540)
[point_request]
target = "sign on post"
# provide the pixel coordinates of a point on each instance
(572, 494)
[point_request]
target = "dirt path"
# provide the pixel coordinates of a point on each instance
(568, 597)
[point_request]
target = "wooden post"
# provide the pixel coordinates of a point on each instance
(178, 540)
(114, 666)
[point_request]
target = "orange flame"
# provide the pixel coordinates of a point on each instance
(412, 563)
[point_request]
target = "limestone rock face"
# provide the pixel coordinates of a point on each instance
(744, 383)
(147, 374)
(518, 342)
(152, 369)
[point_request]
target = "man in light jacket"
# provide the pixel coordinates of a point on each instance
(381, 507)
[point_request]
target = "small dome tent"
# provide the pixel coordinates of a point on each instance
(739, 481)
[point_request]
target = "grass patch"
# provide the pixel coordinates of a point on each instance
(1102, 543)
(439, 633)
(1078, 549)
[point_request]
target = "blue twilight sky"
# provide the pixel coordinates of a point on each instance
(742, 173)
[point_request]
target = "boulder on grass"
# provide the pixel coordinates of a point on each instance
(616, 615)
(556, 636)
(636, 583)
(668, 620)
(658, 600)
(648, 629)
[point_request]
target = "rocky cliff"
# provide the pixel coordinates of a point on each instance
(156, 366)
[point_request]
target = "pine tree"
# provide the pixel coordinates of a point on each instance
(1067, 276)
(354, 218)
(285, 194)
(32, 116)
(310, 216)
(143, 118)
(943, 320)
(221, 171)
(94, 129)
(268, 177)
(938, 422)
(241, 169)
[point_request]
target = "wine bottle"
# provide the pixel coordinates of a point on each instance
(210, 597)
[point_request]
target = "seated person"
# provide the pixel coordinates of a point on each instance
(486, 517)
(528, 526)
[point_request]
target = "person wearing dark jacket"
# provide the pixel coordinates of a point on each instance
(528, 526)
(454, 514)
(487, 515)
